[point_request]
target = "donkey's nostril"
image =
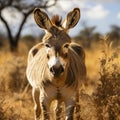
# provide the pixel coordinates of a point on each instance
(61, 69)
(52, 69)
(56, 71)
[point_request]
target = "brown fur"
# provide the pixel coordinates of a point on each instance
(56, 43)
(56, 20)
(76, 68)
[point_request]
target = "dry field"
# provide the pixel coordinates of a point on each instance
(99, 99)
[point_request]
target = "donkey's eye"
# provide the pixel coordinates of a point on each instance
(66, 45)
(48, 45)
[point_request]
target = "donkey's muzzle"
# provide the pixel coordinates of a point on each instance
(56, 71)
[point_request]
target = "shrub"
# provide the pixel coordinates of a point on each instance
(108, 95)
(12, 74)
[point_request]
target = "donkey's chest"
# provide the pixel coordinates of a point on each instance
(59, 93)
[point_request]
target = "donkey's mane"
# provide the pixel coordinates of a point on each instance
(56, 20)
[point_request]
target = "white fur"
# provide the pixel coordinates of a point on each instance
(54, 61)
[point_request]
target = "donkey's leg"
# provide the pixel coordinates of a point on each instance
(36, 96)
(45, 103)
(77, 110)
(70, 105)
(59, 110)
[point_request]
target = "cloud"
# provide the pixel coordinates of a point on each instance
(68, 5)
(118, 15)
(12, 16)
(63, 7)
(97, 12)
(102, 1)
(87, 10)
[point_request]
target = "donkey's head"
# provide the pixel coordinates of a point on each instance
(56, 39)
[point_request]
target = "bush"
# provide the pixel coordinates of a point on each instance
(12, 74)
(108, 95)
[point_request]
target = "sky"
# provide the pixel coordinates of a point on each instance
(99, 13)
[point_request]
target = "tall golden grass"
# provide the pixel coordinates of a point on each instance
(99, 99)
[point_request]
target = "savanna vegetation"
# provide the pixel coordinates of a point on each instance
(100, 95)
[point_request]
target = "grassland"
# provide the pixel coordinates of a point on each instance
(99, 99)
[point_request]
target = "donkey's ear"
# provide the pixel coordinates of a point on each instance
(72, 19)
(42, 19)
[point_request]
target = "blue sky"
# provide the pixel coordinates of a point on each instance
(111, 18)
(99, 13)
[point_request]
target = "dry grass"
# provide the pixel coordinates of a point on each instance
(108, 95)
(15, 93)
(100, 100)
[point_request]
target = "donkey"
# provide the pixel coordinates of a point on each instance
(56, 66)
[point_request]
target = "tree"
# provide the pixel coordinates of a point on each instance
(25, 7)
(2, 36)
(114, 35)
(88, 37)
(115, 32)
